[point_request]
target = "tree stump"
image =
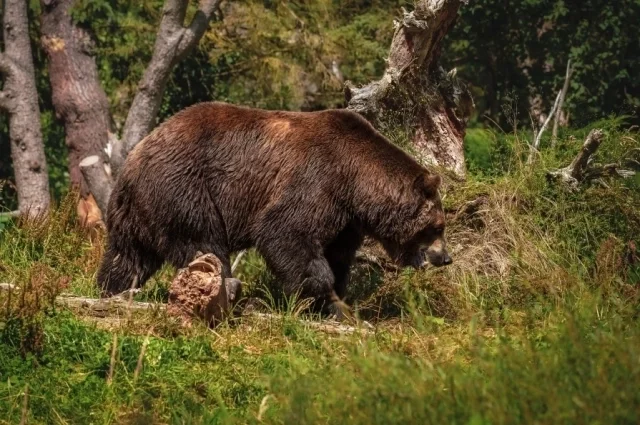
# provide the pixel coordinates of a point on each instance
(201, 291)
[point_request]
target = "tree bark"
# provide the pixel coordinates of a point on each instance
(416, 93)
(78, 98)
(19, 98)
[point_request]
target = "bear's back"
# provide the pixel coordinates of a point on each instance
(237, 139)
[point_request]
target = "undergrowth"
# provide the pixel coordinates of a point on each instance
(536, 321)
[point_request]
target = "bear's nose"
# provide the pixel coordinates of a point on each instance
(447, 260)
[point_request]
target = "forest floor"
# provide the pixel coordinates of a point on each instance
(536, 321)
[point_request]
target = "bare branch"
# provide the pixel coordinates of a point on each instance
(536, 144)
(105, 307)
(199, 25)
(98, 181)
(563, 94)
(10, 214)
(236, 262)
(8, 287)
(116, 307)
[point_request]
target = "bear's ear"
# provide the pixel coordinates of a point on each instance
(427, 184)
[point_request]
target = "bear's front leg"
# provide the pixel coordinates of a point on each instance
(319, 283)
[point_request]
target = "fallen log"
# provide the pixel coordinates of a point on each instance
(105, 307)
(120, 307)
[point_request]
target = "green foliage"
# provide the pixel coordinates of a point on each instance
(580, 365)
(511, 51)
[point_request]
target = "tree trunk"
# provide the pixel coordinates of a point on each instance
(19, 98)
(415, 93)
(78, 98)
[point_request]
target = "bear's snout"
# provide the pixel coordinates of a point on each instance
(437, 259)
(437, 254)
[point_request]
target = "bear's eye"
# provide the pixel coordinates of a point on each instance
(438, 229)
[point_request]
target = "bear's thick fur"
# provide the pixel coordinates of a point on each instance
(302, 187)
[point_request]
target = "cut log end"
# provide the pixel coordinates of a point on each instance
(89, 161)
(98, 180)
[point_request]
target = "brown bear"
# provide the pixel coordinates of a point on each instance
(303, 188)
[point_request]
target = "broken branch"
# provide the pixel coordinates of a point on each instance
(573, 174)
(7, 66)
(5, 101)
(590, 146)
(98, 181)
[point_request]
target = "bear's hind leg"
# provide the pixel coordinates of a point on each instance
(305, 272)
(119, 269)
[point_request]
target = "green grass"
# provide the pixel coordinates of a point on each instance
(575, 368)
(537, 321)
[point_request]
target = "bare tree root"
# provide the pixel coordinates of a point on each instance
(581, 168)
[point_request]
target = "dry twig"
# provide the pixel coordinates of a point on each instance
(536, 144)
(563, 95)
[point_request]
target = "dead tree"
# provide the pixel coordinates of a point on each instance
(583, 169)
(96, 153)
(19, 99)
(415, 92)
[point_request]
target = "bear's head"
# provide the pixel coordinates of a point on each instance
(419, 240)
